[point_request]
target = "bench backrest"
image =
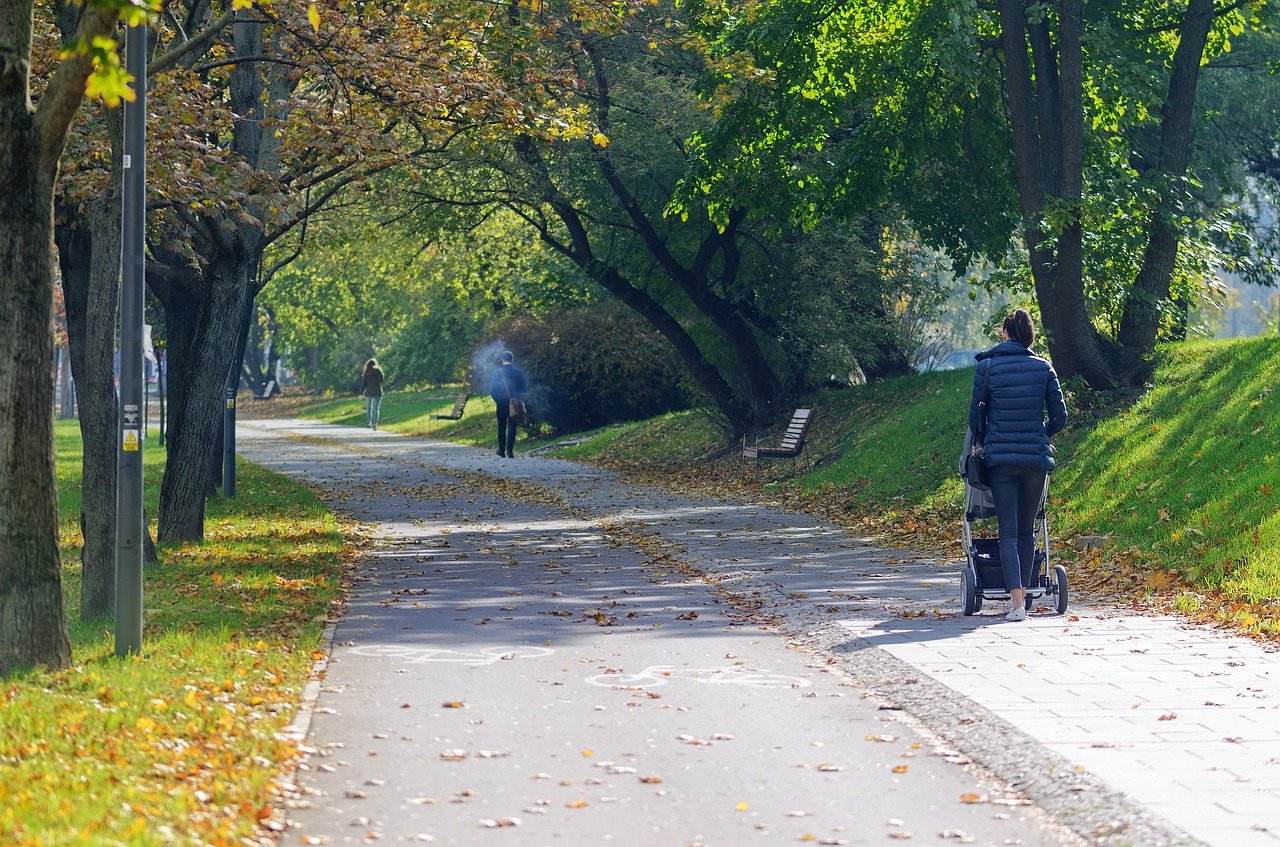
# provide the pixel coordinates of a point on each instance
(460, 403)
(797, 429)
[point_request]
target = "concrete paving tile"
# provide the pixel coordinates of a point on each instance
(1236, 837)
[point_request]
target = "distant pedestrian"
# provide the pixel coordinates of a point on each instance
(1021, 388)
(507, 388)
(371, 380)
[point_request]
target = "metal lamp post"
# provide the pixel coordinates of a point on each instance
(129, 514)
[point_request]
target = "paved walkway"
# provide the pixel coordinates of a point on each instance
(1100, 718)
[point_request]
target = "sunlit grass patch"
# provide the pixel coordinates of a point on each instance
(181, 743)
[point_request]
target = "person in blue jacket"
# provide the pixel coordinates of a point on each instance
(507, 383)
(1021, 389)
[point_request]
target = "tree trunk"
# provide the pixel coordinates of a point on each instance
(1141, 320)
(89, 250)
(203, 331)
(256, 372)
(33, 629)
(1074, 343)
(709, 379)
(66, 394)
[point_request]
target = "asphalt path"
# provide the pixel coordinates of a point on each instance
(518, 666)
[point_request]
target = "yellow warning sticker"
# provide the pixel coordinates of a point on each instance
(231, 403)
(129, 441)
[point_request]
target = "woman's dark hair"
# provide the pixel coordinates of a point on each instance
(370, 365)
(1019, 328)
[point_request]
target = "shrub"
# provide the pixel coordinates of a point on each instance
(587, 366)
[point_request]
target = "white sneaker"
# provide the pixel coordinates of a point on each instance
(1017, 613)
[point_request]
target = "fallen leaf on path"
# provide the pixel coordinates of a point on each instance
(900, 769)
(575, 804)
(970, 798)
(456, 755)
(651, 780)
(741, 807)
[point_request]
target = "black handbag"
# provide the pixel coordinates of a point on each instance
(976, 472)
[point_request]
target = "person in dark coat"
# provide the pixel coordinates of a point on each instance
(371, 380)
(1021, 389)
(507, 383)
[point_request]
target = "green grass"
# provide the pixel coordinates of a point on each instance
(674, 438)
(1188, 474)
(179, 744)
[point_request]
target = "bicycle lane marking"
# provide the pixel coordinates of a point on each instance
(657, 675)
(479, 658)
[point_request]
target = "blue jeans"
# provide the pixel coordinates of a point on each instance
(1016, 491)
(371, 406)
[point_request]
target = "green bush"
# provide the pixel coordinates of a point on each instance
(587, 366)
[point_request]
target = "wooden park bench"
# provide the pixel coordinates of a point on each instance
(792, 440)
(456, 414)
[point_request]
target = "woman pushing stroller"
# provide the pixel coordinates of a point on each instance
(1020, 389)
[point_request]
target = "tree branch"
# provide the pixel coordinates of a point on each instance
(170, 57)
(62, 98)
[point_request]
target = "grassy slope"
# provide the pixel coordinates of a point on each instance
(180, 743)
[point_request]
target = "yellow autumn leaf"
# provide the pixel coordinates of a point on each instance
(241, 4)
(588, 752)
(145, 724)
(313, 15)
(900, 769)
(741, 807)
(600, 139)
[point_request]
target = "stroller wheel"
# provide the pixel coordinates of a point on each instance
(1060, 578)
(969, 591)
(1028, 602)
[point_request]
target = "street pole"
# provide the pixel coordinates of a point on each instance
(229, 436)
(129, 528)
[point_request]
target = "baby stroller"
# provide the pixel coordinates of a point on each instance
(983, 578)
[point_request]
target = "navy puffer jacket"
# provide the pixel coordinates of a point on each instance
(1022, 387)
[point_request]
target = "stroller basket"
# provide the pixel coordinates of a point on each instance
(985, 553)
(986, 563)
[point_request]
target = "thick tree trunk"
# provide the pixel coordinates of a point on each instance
(1074, 343)
(33, 629)
(89, 251)
(203, 332)
(1141, 321)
